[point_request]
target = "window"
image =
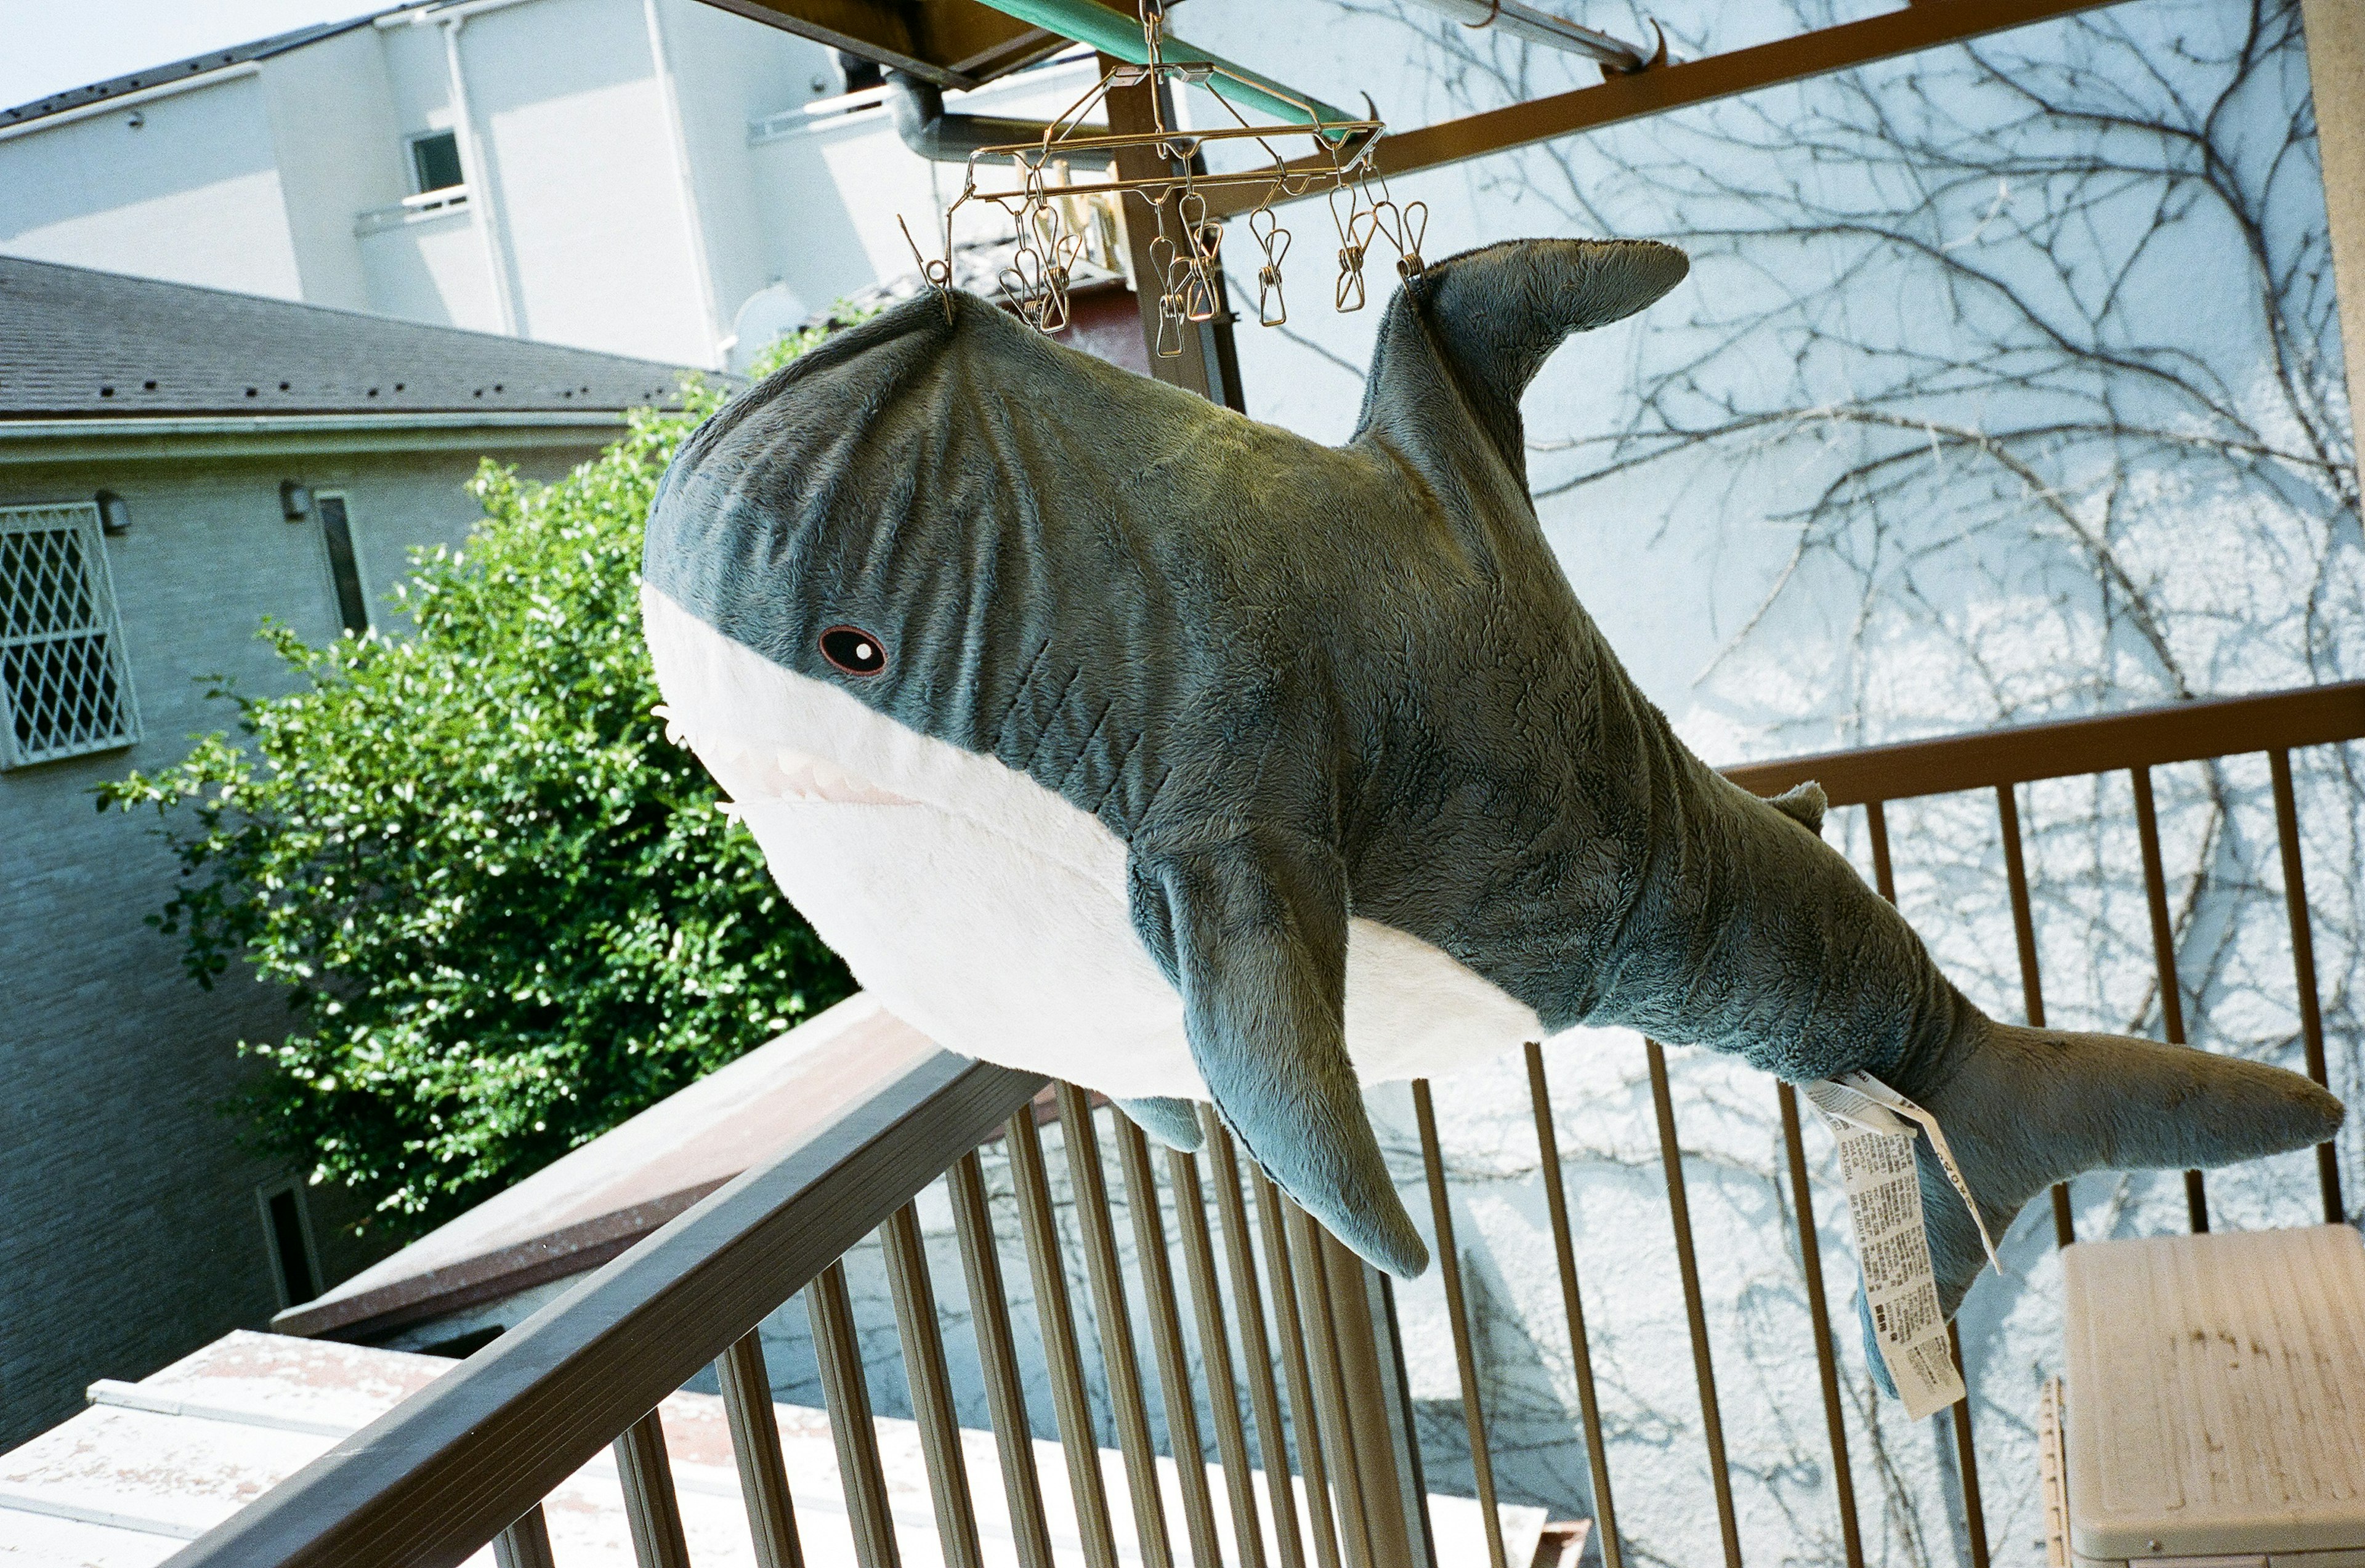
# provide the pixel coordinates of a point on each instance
(287, 1234)
(435, 160)
(65, 686)
(352, 605)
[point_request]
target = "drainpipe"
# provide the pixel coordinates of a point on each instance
(481, 195)
(678, 135)
(921, 121)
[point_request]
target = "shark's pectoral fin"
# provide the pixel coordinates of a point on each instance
(1174, 1123)
(1251, 926)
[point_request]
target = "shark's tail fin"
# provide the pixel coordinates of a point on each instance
(2026, 1108)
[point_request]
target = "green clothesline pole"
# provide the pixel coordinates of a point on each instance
(1114, 33)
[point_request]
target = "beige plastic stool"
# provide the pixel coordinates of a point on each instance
(2215, 1403)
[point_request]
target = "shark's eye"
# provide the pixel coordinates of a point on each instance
(853, 649)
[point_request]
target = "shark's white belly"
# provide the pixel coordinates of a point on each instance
(985, 909)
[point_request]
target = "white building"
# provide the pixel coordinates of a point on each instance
(658, 178)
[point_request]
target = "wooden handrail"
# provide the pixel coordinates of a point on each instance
(442, 1473)
(2109, 743)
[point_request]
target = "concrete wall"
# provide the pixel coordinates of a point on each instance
(132, 1231)
(191, 194)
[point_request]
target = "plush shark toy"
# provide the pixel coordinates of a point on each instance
(1111, 734)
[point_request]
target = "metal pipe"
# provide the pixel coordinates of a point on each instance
(1967, 1459)
(1113, 33)
(918, 109)
(1256, 1348)
(1614, 56)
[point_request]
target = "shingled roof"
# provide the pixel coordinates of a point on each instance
(76, 343)
(183, 70)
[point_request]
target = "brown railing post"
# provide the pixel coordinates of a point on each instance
(2311, 1010)
(1063, 1358)
(1113, 1317)
(1819, 1314)
(2163, 950)
(997, 1355)
(1367, 1387)
(1309, 1397)
(1457, 1312)
(1580, 1346)
(756, 1446)
(526, 1543)
(930, 1383)
(1671, 1158)
(651, 1509)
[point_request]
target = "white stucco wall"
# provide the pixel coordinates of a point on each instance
(333, 124)
(570, 118)
(191, 194)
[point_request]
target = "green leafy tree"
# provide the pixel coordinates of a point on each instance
(507, 912)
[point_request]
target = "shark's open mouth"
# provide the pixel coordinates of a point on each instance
(756, 770)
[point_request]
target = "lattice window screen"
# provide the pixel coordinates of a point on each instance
(65, 686)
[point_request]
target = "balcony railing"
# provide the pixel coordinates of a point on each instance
(468, 1460)
(451, 201)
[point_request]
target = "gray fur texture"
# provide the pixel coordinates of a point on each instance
(1299, 681)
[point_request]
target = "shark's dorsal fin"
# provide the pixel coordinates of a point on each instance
(1490, 318)
(1250, 923)
(1804, 805)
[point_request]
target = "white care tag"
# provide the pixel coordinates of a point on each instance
(1875, 1126)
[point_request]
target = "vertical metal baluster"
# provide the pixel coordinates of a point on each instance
(1198, 1245)
(838, 1355)
(1264, 1398)
(756, 1445)
(526, 1542)
(651, 1510)
(1597, 1453)
(1975, 1518)
(997, 1358)
(1174, 1392)
(1457, 1312)
(1272, 1219)
(1703, 1366)
(1329, 1383)
(1394, 1509)
(2310, 1015)
(1110, 1316)
(931, 1386)
(2032, 989)
(1810, 1265)
(1062, 1358)
(2065, 1233)
(2163, 952)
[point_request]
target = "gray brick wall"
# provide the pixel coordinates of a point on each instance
(129, 1230)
